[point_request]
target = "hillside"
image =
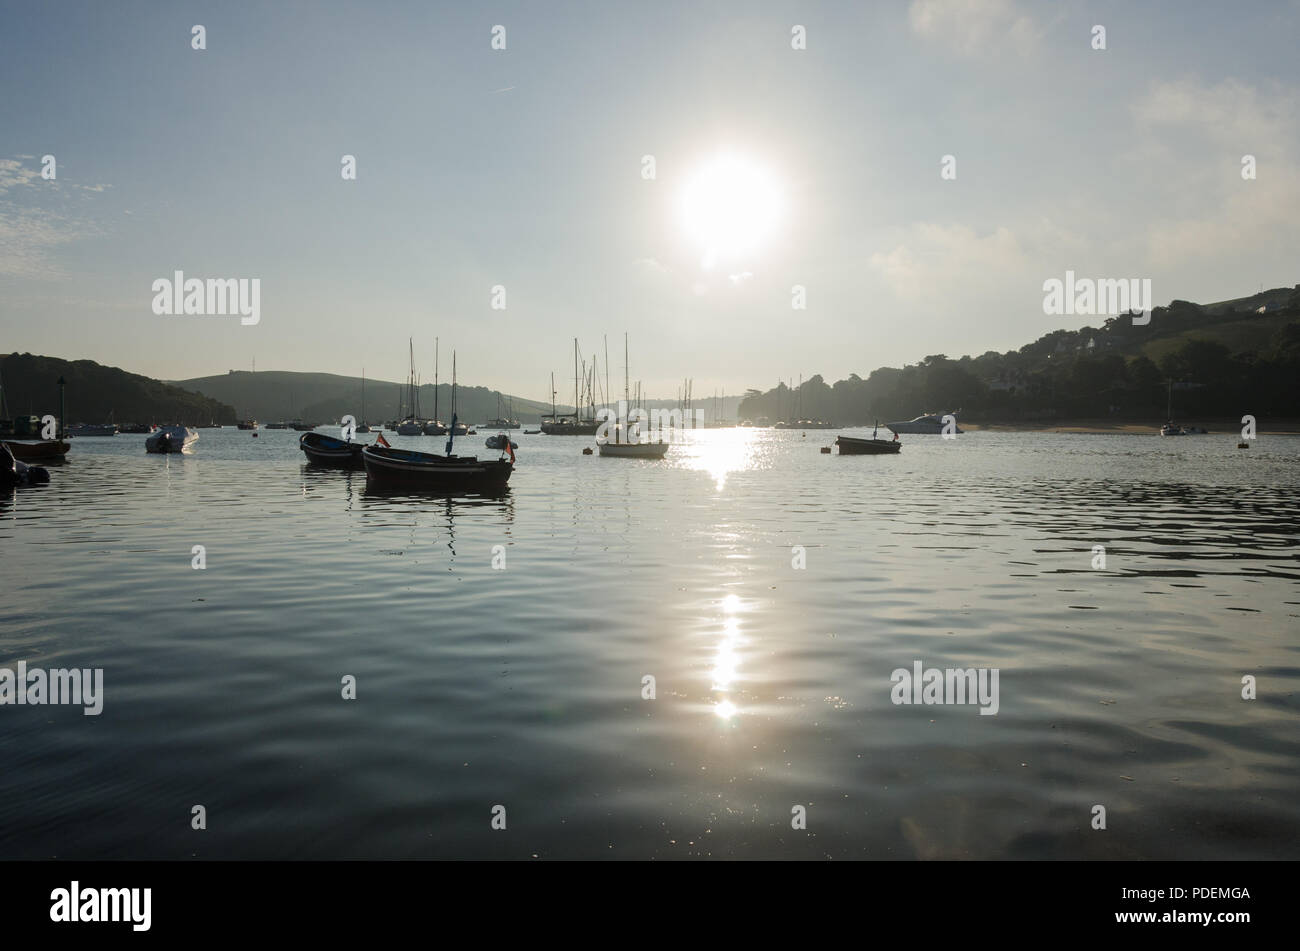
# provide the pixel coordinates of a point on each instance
(325, 397)
(97, 394)
(1223, 360)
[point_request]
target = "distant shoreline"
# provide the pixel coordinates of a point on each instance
(1103, 427)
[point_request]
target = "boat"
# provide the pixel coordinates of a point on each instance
(569, 424)
(930, 424)
(171, 439)
(532, 432)
(46, 450)
(137, 429)
(500, 441)
(501, 422)
(93, 429)
(299, 426)
(619, 444)
(14, 472)
(323, 450)
(280, 425)
(410, 427)
(248, 424)
(387, 467)
(1169, 428)
(853, 446)
(634, 450)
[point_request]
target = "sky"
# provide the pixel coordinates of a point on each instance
(524, 168)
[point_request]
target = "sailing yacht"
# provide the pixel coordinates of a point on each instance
(569, 424)
(621, 444)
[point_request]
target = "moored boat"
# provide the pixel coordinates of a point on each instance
(93, 429)
(323, 450)
(853, 446)
(171, 439)
(403, 468)
(46, 450)
(248, 424)
(931, 424)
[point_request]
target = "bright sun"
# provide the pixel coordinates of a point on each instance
(730, 206)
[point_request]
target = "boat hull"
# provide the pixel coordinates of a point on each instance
(646, 450)
(849, 446)
(50, 450)
(322, 450)
(401, 468)
(571, 429)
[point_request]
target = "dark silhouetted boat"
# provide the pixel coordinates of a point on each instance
(852, 446)
(322, 450)
(403, 468)
(46, 450)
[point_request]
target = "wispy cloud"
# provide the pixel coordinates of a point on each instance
(976, 27)
(30, 233)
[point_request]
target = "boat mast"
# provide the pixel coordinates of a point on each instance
(575, 381)
(435, 380)
(363, 396)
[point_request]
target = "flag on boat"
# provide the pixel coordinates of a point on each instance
(381, 441)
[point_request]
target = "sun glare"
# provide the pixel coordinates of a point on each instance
(730, 206)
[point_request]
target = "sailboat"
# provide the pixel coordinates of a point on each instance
(435, 426)
(363, 426)
(1169, 429)
(410, 424)
(570, 424)
(501, 422)
(387, 467)
(621, 445)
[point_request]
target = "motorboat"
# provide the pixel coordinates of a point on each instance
(500, 441)
(171, 439)
(248, 424)
(410, 427)
(1169, 429)
(323, 450)
(931, 424)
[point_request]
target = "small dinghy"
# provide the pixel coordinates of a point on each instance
(322, 450)
(13, 472)
(48, 450)
(499, 441)
(852, 446)
(171, 439)
(405, 468)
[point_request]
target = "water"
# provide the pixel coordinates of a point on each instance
(522, 687)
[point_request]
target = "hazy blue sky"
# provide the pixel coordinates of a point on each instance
(523, 168)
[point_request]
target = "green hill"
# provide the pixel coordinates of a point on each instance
(1224, 360)
(271, 395)
(98, 394)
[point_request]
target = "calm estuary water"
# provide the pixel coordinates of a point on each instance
(522, 687)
